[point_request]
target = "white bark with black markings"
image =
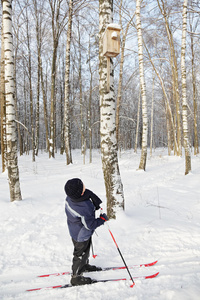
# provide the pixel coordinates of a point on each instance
(12, 159)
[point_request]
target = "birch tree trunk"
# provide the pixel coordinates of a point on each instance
(30, 87)
(143, 158)
(138, 123)
(152, 108)
(26, 146)
(83, 140)
(169, 115)
(44, 105)
(3, 106)
(53, 101)
(184, 93)
(12, 159)
(67, 89)
(112, 178)
(55, 14)
(90, 101)
(119, 92)
(15, 54)
(196, 142)
(38, 35)
(174, 69)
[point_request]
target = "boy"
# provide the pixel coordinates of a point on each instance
(80, 209)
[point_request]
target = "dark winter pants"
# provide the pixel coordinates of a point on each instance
(81, 255)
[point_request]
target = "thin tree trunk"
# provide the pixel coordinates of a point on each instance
(112, 178)
(16, 94)
(30, 89)
(67, 132)
(37, 123)
(174, 68)
(3, 106)
(196, 142)
(152, 108)
(26, 120)
(90, 103)
(44, 105)
(12, 159)
(143, 158)
(62, 101)
(55, 14)
(168, 108)
(168, 131)
(53, 101)
(83, 142)
(184, 93)
(38, 35)
(138, 122)
(119, 92)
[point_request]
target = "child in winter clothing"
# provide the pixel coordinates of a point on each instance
(80, 209)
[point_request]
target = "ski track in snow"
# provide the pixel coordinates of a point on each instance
(161, 221)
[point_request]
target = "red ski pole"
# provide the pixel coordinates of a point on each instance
(132, 285)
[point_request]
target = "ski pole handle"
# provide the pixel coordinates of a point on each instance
(103, 216)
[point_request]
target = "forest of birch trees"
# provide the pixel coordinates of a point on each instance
(56, 72)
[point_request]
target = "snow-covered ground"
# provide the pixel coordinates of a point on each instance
(161, 221)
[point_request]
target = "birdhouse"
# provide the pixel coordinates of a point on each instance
(111, 40)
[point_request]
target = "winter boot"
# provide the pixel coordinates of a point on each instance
(90, 268)
(80, 280)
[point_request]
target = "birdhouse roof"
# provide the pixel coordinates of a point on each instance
(113, 26)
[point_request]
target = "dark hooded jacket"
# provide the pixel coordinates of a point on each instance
(81, 215)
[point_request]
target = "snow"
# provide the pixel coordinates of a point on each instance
(114, 26)
(161, 221)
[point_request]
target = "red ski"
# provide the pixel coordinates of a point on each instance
(95, 281)
(105, 269)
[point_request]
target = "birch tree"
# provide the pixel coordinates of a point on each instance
(16, 30)
(152, 113)
(90, 100)
(194, 88)
(112, 179)
(3, 106)
(30, 83)
(119, 92)
(143, 158)
(184, 93)
(55, 11)
(83, 139)
(58, 23)
(39, 42)
(174, 70)
(169, 115)
(67, 89)
(12, 159)
(138, 121)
